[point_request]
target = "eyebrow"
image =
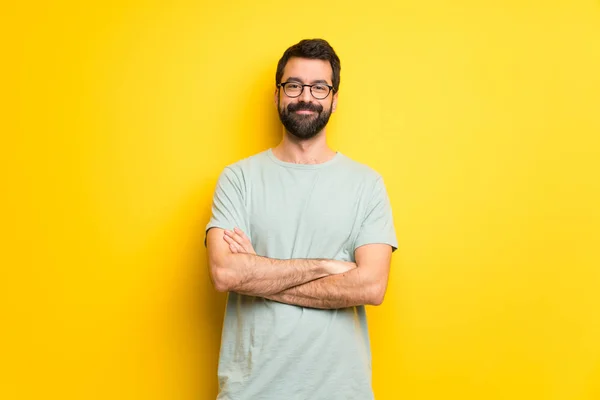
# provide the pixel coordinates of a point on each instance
(295, 78)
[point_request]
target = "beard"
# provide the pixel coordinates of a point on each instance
(304, 126)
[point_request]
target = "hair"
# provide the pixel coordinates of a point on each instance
(315, 49)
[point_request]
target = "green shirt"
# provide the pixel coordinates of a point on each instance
(276, 351)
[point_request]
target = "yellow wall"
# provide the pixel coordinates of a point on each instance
(483, 117)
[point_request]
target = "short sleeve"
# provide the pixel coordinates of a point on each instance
(378, 223)
(228, 206)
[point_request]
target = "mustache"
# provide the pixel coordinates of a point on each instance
(304, 107)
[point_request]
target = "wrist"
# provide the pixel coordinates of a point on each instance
(324, 267)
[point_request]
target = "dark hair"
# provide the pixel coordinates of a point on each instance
(317, 49)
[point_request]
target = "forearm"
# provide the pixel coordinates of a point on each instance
(353, 288)
(261, 276)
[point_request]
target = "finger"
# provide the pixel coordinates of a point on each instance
(232, 242)
(237, 237)
(243, 247)
(229, 233)
(239, 240)
(242, 234)
(239, 231)
(233, 248)
(239, 247)
(244, 240)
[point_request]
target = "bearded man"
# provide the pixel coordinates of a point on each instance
(301, 238)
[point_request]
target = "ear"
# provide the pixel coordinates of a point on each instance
(276, 97)
(334, 102)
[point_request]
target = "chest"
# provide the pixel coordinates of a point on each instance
(309, 215)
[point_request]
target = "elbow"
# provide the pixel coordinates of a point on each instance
(220, 285)
(220, 278)
(377, 300)
(377, 295)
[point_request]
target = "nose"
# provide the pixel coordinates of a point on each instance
(305, 96)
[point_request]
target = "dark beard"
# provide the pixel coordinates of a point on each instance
(304, 127)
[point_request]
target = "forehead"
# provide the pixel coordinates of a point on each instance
(307, 70)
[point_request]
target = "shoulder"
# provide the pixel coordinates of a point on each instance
(244, 165)
(359, 170)
(239, 171)
(248, 163)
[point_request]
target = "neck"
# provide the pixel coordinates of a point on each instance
(311, 151)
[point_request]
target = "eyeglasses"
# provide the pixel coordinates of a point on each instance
(294, 89)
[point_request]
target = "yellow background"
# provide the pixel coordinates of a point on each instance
(483, 118)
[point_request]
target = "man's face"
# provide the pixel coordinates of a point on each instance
(305, 116)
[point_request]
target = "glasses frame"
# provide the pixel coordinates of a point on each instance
(282, 85)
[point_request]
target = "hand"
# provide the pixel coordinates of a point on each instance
(238, 241)
(335, 267)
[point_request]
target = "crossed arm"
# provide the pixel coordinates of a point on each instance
(318, 283)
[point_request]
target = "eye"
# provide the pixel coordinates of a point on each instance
(292, 85)
(320, 88)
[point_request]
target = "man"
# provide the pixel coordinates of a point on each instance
(301, 237)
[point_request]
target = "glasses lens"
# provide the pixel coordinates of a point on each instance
(292, 89)
(320, 91)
